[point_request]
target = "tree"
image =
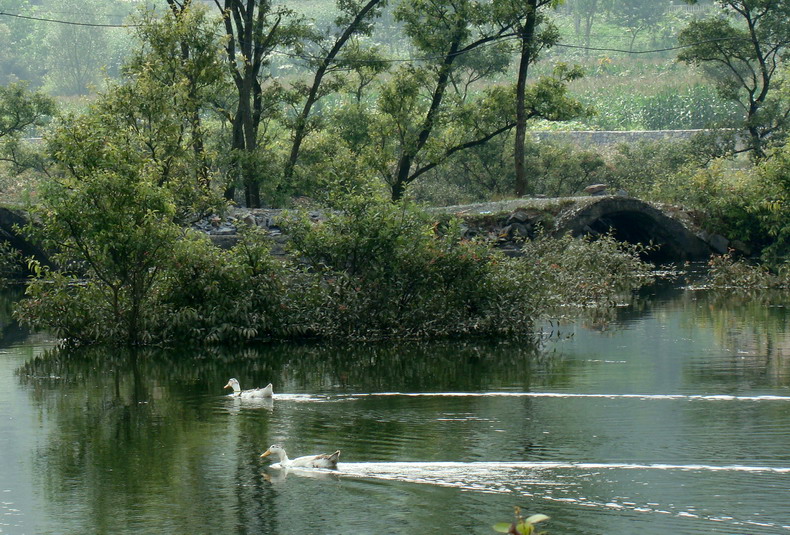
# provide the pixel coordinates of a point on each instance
(75, 54)
(148, 119)
(355, 20)
(112, 229)
(177, 64)
(20, 111)
(425, 114)
(443, 31)
(254, 29)
(18, 39)
(637, 16)
(742, 51)
(584, 13)
(526, 17)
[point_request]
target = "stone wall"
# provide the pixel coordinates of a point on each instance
(592, 138)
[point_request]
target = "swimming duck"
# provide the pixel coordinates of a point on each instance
(323, 460)
(265, 392)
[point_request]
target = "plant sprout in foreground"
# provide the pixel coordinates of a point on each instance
(521, 526)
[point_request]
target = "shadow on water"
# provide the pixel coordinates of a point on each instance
(305, 367)
(121, 425)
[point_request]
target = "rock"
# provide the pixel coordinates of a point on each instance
(719, 243)
(741, 248)
(225, 231)
(249, 220)
(504, 233)
(520, 230)
(596, 189)
(519, 216)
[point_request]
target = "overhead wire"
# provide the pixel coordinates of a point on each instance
(392, 60)
(73, 23)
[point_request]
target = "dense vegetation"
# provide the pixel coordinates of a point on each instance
(363, 108)
(377, 271)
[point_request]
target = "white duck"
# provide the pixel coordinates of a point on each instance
(265, 392)
(324, 460)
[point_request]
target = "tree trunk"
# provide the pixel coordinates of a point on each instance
(312, 97)
(243, 25)
(519, 150)
(402, 173)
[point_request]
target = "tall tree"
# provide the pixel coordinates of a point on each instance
(742, 51)
(356, 19)
(76, 54)
(526, 17)
(637, 16)
(584, 13)
(254, 29)
(443, 31)
(178, 53)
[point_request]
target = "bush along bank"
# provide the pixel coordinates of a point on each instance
(374, 270)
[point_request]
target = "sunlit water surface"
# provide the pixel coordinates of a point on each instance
(671, 417)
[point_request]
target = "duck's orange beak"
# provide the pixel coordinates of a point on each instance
(266, 453)
(228, 386)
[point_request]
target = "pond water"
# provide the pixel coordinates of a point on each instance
(672, 416)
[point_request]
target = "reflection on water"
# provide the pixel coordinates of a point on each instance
(673, 416)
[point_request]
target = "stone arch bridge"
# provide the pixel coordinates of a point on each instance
(674, 234)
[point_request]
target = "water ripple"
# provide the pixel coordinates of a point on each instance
(565, 395)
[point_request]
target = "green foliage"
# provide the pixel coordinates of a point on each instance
(77, 56)
(152, 119)
(22, 113)
(740, 52)
(521, 525)
(11, 262)
(22, 110)
(725, 273)
(375, 270)
(749, 205)
(584, 272)
(485, 172)
(647, 169)
(560, 170)
(115, 230)
(386, 271)
(619, 107)
(637, 16)
(212, 295)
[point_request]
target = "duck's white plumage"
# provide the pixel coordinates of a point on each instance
(324, 460)
(265, 392)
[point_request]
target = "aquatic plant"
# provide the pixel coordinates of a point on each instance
(728, 273)
(521, 525)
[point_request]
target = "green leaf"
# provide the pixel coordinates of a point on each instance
(525, 528)
(534, 519)
(501, 527)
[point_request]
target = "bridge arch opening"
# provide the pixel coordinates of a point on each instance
(640, 228)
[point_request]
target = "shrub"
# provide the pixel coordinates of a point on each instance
(750, 205)
(643, 168)
(375, 270)
(726, 273)
(214, 295)
(386, 270)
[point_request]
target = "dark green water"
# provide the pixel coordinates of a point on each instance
(672, 418)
